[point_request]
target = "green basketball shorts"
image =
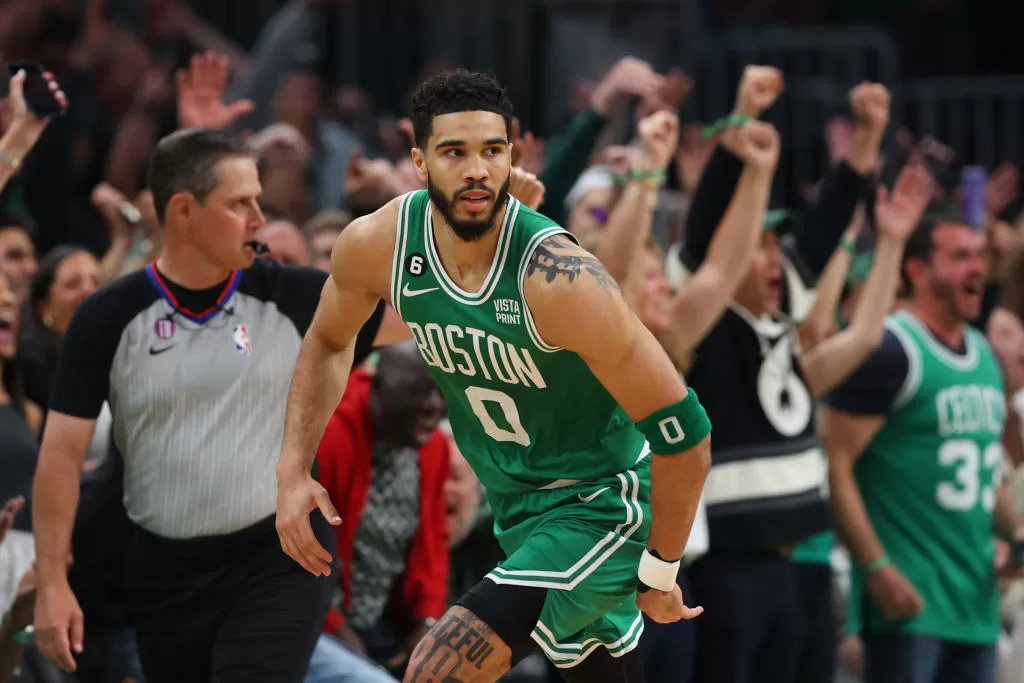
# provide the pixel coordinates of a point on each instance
(585, 550)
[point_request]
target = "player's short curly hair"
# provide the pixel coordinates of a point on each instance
(457, 91)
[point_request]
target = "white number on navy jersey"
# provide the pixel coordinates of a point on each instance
(784, 398)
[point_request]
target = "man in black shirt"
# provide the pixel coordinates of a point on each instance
(194, 355)
(764, 493)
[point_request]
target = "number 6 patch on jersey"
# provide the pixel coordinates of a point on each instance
(416, 264)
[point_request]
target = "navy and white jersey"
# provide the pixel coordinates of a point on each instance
(766, 486)
(197, 382)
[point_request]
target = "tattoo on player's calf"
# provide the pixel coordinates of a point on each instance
(559, 256)
(457, 646)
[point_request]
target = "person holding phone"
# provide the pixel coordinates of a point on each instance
(34, 98)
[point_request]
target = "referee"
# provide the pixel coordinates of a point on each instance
(194, 355)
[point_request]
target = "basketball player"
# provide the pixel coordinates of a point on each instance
(535, 350)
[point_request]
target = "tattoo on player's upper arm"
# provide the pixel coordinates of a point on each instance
(460, 648)
(559, 256)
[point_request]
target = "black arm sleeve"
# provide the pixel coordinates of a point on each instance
(710, 202)
(871, 389)
(81, 382)
(301, 295)
(826, 220)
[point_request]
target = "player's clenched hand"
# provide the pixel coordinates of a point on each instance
(59, 624)
(666, 608)
(295, 500)
(894, 595)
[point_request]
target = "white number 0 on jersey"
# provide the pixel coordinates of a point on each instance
(478, 396)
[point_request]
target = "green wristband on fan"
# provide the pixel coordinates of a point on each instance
(22, 637)
(622, 178)
(726, 122)
(877, 564)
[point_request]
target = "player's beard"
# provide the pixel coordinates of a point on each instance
(467, 230)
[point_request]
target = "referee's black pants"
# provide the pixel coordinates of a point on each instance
(226, 609)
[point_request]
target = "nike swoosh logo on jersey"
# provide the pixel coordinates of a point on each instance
(592, 496)
(153, 351)
(416, 292)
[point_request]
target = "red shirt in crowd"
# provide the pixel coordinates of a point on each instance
(345, 456)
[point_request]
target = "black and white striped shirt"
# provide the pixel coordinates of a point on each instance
(197, 383)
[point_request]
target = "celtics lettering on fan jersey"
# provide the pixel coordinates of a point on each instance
(929, 479)
(526, 415)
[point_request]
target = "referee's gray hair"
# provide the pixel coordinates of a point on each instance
(185, 161)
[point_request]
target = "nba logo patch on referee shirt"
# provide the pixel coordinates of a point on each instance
(243, 345)
(164, 328)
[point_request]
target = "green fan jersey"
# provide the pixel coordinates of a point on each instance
(528, 416)
(929, 481)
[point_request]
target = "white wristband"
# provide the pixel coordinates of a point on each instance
(658, 574)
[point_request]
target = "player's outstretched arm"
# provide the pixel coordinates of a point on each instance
(697, 308)
(361, 256)
(832, 361)
(577, 306)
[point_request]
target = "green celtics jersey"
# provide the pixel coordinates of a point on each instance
(929, 481)
(527, 415)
